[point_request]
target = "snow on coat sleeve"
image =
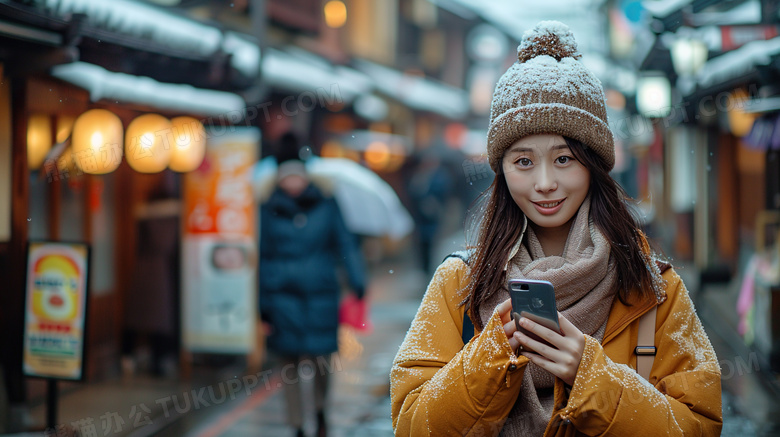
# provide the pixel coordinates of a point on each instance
(441, 387)
(611, 399)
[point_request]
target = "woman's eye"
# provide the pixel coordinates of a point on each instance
(524, 162)
(564, 159)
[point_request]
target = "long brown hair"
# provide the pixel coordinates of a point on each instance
(501, 222)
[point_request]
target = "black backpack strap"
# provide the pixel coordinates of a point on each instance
(468, 325)
(464, 255)
(468, 328)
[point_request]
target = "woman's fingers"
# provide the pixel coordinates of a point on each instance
(541, 331)
(562, 359)
(513, 343)
(567, 327)
(540, 348)
(509, 328)
(504, 310)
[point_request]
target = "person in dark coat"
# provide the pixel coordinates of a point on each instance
(303, 240)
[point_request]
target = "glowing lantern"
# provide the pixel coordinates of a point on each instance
(148, 143)
(64, 127)
(331, 149)
(377, 156)
(189, 144)
(38, 140)
(97, 141)
(740, 122)
(335, 13)
(654, 95)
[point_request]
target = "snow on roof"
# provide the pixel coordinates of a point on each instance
(737, 62)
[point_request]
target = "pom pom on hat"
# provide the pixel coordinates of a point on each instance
(551, 38)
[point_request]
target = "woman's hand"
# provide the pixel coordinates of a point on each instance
(505, 312)
(563, 359)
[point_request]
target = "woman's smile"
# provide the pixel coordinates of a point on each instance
(548, 207)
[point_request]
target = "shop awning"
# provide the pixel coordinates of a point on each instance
(126, 88)
(737, 62)
(160, 28)
(297, 70)
(417, 92)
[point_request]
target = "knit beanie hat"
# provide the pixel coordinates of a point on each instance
(288, 157)
(548, 91)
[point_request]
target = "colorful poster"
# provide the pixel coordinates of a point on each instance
(55, 310)
(219, 283)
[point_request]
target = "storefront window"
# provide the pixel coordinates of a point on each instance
(103, 222)
(72, 212)
(39, 214)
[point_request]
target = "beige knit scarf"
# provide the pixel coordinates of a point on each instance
(584, 277)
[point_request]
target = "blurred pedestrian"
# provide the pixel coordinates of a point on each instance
(554, 213)
(303, 240)
(430, 188)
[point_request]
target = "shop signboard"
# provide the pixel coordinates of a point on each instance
(219, 283)
(55, 310)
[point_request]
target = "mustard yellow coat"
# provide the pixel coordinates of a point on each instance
(441, 387)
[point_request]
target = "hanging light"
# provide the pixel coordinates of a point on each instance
(335, 13)
(653, 95)
(377, 156)
(148, 143)
(689, 53)
(189, 144)
(38, 140)
(64, 127)
(97, 141)
(740, 122)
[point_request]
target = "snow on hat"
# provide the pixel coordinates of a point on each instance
(549, 91)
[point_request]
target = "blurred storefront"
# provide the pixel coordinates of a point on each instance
(377, 83)
(83, 85)
(707, 88)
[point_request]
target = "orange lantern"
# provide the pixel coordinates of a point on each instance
(38, 140)
(189, 144)
(148, 143)
(97, 141)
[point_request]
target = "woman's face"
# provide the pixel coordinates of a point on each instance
(545, 180)
(293, 184)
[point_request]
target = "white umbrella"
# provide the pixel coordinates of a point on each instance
(368, 204)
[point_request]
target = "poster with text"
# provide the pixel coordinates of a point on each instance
(55, 310)
(219, 283)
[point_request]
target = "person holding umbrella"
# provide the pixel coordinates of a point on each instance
(303, 240)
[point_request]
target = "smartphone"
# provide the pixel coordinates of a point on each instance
(534, 300)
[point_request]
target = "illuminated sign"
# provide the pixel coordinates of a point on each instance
(55, 310)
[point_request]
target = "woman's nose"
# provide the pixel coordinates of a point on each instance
(546, 181)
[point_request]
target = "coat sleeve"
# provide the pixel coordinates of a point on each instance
(440, 386)
(684, 398)
(349, 249)
(266, 251)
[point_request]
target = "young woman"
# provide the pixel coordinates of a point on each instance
(554, 213)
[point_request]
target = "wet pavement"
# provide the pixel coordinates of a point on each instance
(751, 390)
(359, 402)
